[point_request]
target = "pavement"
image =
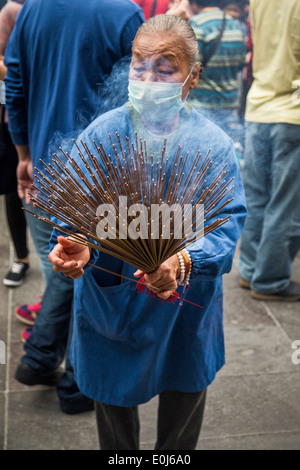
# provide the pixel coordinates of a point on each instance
(253, 404)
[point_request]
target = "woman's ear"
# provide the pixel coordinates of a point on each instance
(194, 78)
(192, 81)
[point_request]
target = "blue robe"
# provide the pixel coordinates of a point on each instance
(128, 347)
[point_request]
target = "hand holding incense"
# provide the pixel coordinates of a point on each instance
(143, 221)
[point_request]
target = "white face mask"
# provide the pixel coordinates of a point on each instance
(156, 101)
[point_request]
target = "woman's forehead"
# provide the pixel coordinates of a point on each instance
(148, 45)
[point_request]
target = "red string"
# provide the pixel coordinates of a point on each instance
(174, 297)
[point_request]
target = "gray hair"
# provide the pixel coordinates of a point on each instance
(176, 27)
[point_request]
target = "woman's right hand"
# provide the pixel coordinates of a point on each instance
(69, 257)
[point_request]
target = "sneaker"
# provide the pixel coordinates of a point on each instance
(25, 334)
(16, 274)
(244, 284)
(290, 294)
(27, 313)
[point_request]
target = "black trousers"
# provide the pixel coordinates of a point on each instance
(179, 423)
(17, 224)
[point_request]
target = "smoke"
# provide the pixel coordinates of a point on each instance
(110, 94)
(114, 91)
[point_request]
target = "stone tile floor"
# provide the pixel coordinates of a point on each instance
(253, 403)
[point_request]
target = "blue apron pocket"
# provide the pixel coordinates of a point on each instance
(107, 309)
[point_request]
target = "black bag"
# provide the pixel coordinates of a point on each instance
(8, 159)
(215, 44)
(153, 8)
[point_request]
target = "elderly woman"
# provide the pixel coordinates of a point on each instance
(128, 347)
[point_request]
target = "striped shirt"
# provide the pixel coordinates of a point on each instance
(218, 85)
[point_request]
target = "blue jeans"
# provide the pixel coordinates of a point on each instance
(48, 344)
(271, 236)
(40, 233)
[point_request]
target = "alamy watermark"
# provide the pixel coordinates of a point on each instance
(2, 92)
(296, 354)
(2, 353)
(159, 221)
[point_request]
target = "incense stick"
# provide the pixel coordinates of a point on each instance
(72, 190)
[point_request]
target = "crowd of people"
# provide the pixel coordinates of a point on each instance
(210, 73)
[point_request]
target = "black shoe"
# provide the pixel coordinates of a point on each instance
(74, 407)
(16, 274)
(27, 376)
(290, 294)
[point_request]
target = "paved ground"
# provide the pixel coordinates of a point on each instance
(253, 403)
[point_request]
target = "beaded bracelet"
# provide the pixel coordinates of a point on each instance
(182, 268)
(185, 262)
(186, 256)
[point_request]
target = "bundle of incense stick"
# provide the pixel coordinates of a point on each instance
(73, 190)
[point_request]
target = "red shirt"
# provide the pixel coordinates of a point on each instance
(159, 7)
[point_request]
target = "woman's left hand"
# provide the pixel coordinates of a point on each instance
(163, 280)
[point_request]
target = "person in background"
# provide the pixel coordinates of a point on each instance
(222, 53)
(14, 213)
(271, 236)
(153, 7)
(233, 8)
(237, 10)
(57, 56)
(247, 77)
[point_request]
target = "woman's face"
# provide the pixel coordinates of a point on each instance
(159, 58)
